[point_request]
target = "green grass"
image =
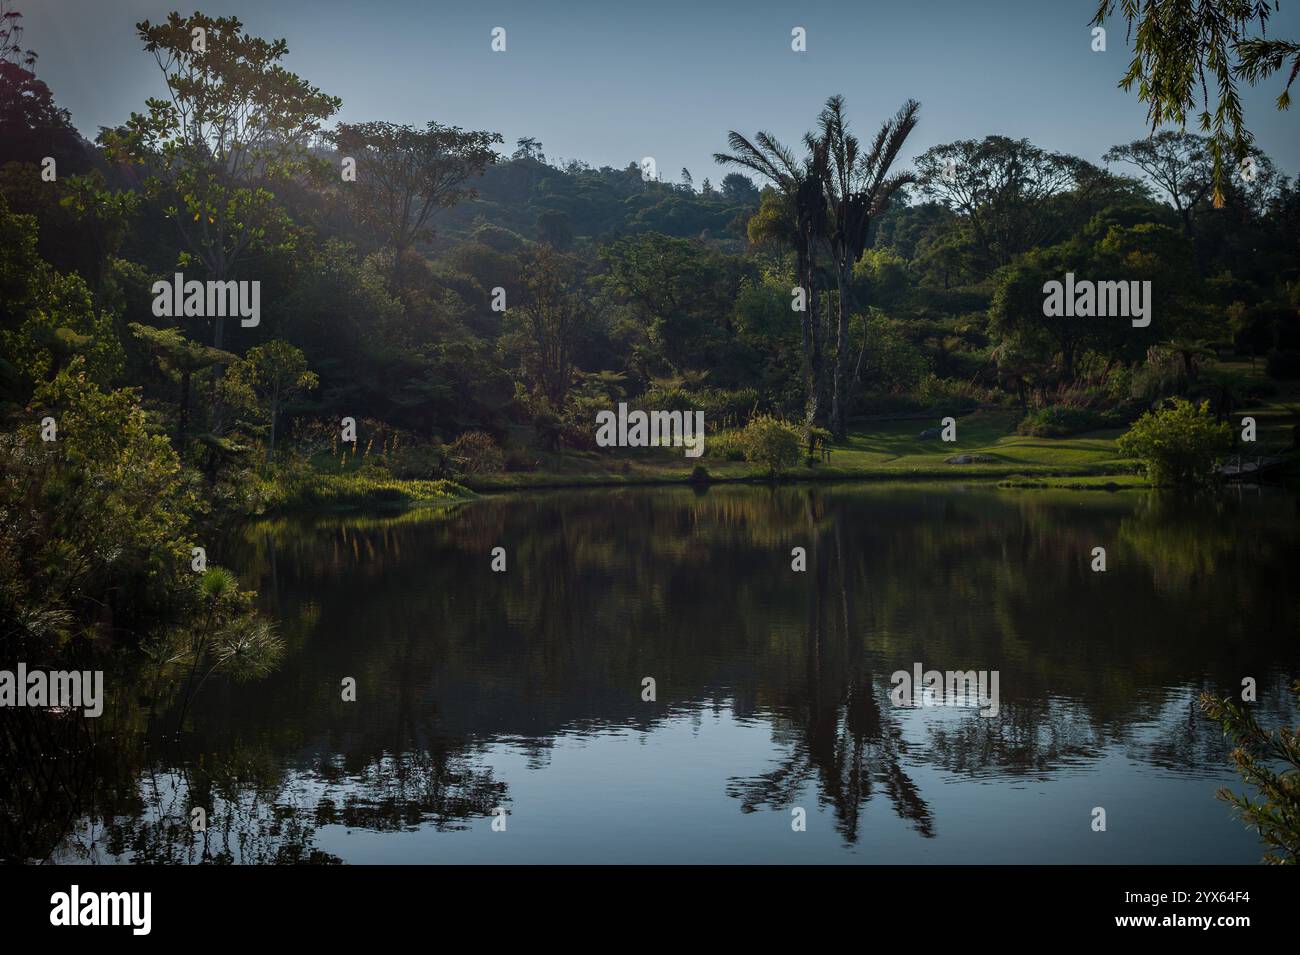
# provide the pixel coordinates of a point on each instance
(874, 450)
(1274, 416)
(892, 450)
(315, 490)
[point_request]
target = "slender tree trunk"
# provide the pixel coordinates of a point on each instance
(862, 354)
(808, 322)
(840, 397)
(817, 378)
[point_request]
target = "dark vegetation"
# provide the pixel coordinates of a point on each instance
(468, 307)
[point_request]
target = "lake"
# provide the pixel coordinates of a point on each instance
(519, 697)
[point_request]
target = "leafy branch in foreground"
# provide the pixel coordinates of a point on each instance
(1276, 814)
(228, 635)
(1179, 46)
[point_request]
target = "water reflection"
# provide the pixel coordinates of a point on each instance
(522, 690)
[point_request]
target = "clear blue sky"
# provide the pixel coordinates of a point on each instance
(612, 81)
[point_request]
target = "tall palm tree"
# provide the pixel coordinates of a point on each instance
(858, 186)
(799, 184)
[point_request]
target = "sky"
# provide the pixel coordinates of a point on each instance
(611, 82)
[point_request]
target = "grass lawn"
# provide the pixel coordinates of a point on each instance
(318, 490)
(875, 450)
(884, 449)
(1275, 416)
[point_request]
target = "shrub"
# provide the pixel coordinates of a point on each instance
(519, 461)
(95, 523)
(548, 430)
(1179, 444)
(813, 437)
(1283, 365)
(1057, 421)
(668, 398)
(722, 406)
(361, 489)
(947, 395)
(892, 363)
(475, 452)
(1269, 762)
(1160, 376)
(772, 442)
(423, 461)
(726, 445)
(575, 428)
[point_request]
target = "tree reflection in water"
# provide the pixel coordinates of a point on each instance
(695, 588)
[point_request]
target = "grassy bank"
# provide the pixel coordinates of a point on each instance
(987, 447)
(893, 450)
(316, 490)
(890, 450)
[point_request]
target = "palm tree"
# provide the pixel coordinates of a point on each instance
(858, 186)
(799, 184)
(1189, 350)
(183, 357)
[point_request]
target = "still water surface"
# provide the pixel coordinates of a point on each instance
(523, 690)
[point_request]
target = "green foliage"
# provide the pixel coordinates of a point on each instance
(945, 395)
(726, 445)
(1004, 188)
(296, 485)
(1179, 444)
(46, 317)
(679, 288)
(475, 452)
(234, 122)
(545, 322)
(61, 322)
(224, 635)
(891, 363)
(1061, 420)
(772, 443)
(32, 126)
(1269, 762)
(97, 520)
(1180, 50)
(276, 372)
(404, 175)
(669, 397)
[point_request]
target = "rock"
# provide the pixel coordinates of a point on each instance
(930, 433)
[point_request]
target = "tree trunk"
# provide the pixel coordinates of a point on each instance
(808, 327)
(839, 395)
(817, 378)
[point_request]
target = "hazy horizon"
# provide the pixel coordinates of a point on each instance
(673, 78)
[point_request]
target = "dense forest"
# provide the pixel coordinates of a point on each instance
(232, 315)
(436, 307)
